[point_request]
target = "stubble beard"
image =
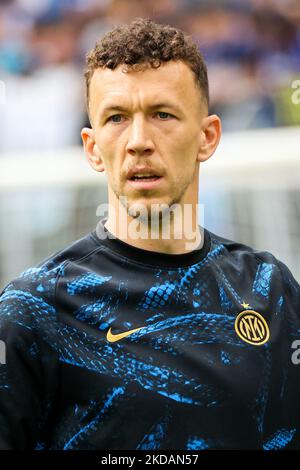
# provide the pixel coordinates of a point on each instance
(152, 214)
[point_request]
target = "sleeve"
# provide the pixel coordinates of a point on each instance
(287, 367)
(27, 371)
(292, 317)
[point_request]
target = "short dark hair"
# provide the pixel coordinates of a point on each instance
(144, 41)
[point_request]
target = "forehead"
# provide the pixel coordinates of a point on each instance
(172, 80)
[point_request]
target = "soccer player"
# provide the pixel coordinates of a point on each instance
(151, 332)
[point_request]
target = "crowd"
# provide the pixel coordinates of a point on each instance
(252, 48)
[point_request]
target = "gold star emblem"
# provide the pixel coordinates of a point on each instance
(246, 305)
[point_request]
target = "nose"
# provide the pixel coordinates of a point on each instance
(139, 140)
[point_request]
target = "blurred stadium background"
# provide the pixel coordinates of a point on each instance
(250, 188)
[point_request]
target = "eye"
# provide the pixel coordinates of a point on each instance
(164, 115)
(115, 118)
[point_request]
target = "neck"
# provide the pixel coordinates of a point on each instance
(176, 232)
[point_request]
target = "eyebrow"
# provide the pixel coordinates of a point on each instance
(109, 108)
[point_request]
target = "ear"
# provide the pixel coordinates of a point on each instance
(91, 149)
(209, 137)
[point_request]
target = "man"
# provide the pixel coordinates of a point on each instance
(122, 341)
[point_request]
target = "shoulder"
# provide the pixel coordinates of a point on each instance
(248, 259)
(238, 249)
(34, 289)
(264, 266)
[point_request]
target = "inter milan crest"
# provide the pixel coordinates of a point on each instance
(252, 327)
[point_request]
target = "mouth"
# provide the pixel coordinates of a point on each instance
(145, 182)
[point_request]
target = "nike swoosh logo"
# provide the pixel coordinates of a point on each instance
(112, 338)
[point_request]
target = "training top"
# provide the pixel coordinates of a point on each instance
(108, 346)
